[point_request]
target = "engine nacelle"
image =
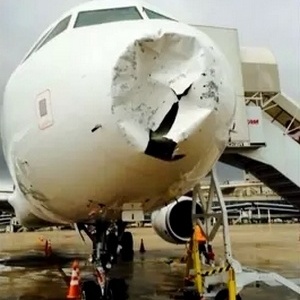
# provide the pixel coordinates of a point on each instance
(173, 223)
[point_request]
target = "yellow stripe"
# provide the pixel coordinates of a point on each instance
(215, 271)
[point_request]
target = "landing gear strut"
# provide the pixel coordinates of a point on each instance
(106, 239)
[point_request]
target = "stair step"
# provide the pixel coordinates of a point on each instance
(282, 186)
(285, 188)
(271, 178)
(279, 183)
(275, 175)
(262, 167)
(286, 194)
(294, 200)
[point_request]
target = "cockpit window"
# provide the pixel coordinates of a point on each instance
(154, 15)
(94, 17)
(58, 29)
(37, 44)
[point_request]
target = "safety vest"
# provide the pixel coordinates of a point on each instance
(199, 235)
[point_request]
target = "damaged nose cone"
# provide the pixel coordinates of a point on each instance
(160, 146)
(164, 88)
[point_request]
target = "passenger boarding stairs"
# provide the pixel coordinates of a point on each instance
(262, 142)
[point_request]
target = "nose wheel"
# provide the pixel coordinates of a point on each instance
(90, 290)
(115, 289)
(127, 252)
(224, 295)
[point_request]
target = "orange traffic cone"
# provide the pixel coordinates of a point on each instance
(74, 289)
(142, 247)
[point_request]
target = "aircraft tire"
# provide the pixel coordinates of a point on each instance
(90, 290)
(117, 289)
(127, 252)
(223, 295)
(191, 295)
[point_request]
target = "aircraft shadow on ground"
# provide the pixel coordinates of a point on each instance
(38, 259)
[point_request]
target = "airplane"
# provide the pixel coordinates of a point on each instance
(117, 103)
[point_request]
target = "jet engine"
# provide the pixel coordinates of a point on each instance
(173, 223)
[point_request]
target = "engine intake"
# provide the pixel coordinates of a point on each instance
(173, 223)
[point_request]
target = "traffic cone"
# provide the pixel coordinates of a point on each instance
(74, 289)
(142, 247)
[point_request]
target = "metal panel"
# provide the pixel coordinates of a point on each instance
(44, 110)
(260, 70)
(227, 40)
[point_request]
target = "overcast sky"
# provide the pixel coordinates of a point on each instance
(265, 23)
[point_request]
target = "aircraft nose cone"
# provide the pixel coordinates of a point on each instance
(164, 86)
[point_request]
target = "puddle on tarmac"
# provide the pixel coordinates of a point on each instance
(31, 277)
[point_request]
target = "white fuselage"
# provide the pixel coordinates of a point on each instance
(77, 114)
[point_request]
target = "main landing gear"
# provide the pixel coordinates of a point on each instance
(109, 240)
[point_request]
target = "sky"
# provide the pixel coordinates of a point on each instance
(274, 24)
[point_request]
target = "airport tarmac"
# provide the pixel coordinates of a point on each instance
(25, 274)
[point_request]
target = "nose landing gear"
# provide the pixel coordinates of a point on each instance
(106, 239)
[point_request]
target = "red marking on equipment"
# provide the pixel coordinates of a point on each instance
(253, 121)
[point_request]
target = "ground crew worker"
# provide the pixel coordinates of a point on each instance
(201, 239)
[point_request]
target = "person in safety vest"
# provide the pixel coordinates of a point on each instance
(201, 239)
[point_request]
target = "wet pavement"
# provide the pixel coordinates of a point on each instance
(30, 276)
(26, 274)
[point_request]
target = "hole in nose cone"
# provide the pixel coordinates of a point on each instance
(160, 146)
